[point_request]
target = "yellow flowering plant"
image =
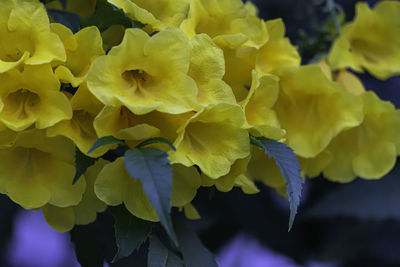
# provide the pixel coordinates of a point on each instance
(149, 101)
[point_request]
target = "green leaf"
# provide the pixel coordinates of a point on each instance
(82, 163)
(159, 140)
(193, 251)
(160, 256)
(158, 253)
(105, 16)
(289, 167)
(130, 231)
(105, 141)
(151, 166)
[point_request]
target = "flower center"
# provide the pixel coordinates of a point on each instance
(20, 104)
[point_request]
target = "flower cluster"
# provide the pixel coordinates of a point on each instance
(204, 74)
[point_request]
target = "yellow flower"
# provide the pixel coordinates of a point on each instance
(81, 49)
(371, 41)
(313, 109)
(213, 139)
(349, 82)
(312, 167)
(235, 177)
(278, 51)
(115, 186)
(264, 169)
(207, 67)
(228, 22)
(80, 127)
(186, 181)
(239, 64)
(146, 73)
(158, 14)
(26, 36)
(32, 97)
(123, 124)
(64, 219)
(261, 118)
(370, 149)
(36, 170)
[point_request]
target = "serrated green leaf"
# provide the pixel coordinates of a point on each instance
(155, 140)
(105, 16)
(130, 231)
(152, 167)
(158, 253)
(193, 251)
(160, 256)
(82, 163)
(289, 167)
(105, 141)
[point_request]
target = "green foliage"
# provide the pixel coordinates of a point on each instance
(158, 253)
(130, 231)
(152, 167)
(105, 141)
(105, 16)
(160, 256)
(289, 167)
(82, 163)
(193, 251)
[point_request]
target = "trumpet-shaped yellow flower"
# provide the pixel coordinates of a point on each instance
(235, 177)
(32, 97)
(26, 36)
(81, 49)
(207, 67)
(146, 73)
(349, 82)
(239, 64)
(370, 149)
(37, 170)
(313, 109)
(228, 22)
(115, 186)
(258, 106)
(80, 127)
(64, 219)
(186, 181)
(213, 139)
(123, 124)
(158, 14)
(312, 167)
(371, 41)
(278, 51)
(264, 169)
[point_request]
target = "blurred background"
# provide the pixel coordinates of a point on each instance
(355, 224)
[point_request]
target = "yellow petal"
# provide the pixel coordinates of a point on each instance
(313, 109)
(213, 139)
(115, 186)
(186, 181)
